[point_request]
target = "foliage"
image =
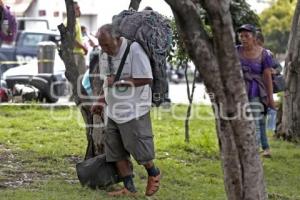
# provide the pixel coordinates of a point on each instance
(40, 146)
(241, 14)
(276, 24)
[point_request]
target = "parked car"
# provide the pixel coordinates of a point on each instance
(50, 85)
(25, 47)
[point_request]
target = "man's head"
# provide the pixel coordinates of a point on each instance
(83, 30)
(76, 9)
(109, 39)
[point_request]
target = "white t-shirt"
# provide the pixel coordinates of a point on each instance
(127, 103)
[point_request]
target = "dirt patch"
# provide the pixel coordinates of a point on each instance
(73, 159)
(13, 172)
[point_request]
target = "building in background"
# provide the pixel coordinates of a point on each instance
(55, 11)
(94, 12)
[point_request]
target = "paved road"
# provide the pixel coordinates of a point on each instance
(178, 94)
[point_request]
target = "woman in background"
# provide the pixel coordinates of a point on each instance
(256, 65)
(8, 25)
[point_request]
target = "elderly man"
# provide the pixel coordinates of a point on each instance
(128, 102)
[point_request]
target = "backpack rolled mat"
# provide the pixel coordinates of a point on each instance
(153, 32)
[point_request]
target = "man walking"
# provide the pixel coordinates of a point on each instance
(128, 102)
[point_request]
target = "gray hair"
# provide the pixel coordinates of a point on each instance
(111, 29)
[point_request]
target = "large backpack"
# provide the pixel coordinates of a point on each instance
(153, 32)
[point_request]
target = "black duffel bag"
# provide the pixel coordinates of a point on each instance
(97, 173)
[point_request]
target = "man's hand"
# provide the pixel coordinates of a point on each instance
(97, 107)
(110, 80)
(85, 50)
(273, 71)
(1, 3)
(271, 103)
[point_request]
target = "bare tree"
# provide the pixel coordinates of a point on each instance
(218, 63)
(190, 94)
(291, 101)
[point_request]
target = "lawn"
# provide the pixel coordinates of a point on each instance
(39, 148)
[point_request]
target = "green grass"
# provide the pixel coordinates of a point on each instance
(40, 146)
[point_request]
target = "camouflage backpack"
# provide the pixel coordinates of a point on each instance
(153, 32)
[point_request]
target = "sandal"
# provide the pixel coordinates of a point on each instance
(153, 185)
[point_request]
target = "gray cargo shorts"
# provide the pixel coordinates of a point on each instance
(131, 138)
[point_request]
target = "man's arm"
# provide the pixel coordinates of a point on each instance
(128, 82)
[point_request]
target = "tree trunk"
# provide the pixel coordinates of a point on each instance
(291, 101)
(72, 74)
(190, 95)
(217, 61)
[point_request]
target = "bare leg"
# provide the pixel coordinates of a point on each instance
(124, 168)
(125, 171)
(149, 164)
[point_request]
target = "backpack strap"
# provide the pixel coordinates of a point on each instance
(1, 16)
(120, 69)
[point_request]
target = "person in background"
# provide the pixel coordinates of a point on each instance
(8, 25)
(256, 66)
(89, 42)
(276, 69)
(79, 50)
